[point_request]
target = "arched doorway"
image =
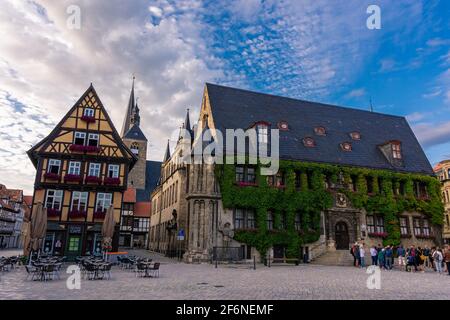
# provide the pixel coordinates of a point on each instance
(341, 236)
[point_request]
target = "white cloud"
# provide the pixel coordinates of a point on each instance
(357, 93)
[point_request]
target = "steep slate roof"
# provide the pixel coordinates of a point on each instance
(152, 173)
(135, 133)
(236, 108)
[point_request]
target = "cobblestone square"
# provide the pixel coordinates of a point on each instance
(204, 281)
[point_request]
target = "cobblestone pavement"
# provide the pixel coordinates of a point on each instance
(183, 281)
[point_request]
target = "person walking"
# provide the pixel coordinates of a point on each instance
(401, 256)
(362, 254)
(420, 259)
(374, 255)
(438, 257)
(426, 253)
(412, 257)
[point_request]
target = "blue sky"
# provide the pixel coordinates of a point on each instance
(311, 49)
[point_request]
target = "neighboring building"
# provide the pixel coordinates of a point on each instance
(169, 203)
(442, 170)
(82, 169)
(12, 212)
(142, 179)
(330, 156)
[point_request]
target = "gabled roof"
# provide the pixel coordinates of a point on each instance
(32, 154)
(236, 108)
(135, 133)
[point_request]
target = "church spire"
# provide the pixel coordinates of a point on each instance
(187, 122)
(130, 111)
(167, 154)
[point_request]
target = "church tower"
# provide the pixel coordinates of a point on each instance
(134, 138)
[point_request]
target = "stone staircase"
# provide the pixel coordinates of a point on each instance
(337, 258)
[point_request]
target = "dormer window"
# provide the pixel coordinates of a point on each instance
(88, 112)
(93, 140)
(283, 126)
(396, 150)
(355, 135)
(346, 146)
(309, 142)
(320, 131)
(80, 137)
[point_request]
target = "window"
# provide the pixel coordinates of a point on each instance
(80, 137)
(94, 169)
(404, 230)
(93, 140)
(239, 219)
(425, 228)
(251, 176)
(113, 171)
(263, 133)
(88, 112)
(251, 221)
(370, 224)
(239, 174)
(355, 135)
(104, 201)
(269, 220)
(416, 225)
(54, 166)
(346, 146)
(320, 131)
(244, 219)
(54, 199)
(298, 221)
(308, 142)
(396, 150)
(74, 168)
(283, 223)
(79, 201)
(380, 224)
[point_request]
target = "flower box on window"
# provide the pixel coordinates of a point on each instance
(51, 176)
(77, 213)
(111, 181)
(378, 234)
(81, 148)
(100, 214)
(93, 179)
(72, 178)
(51, 212)
(246, 184)
(88, 119)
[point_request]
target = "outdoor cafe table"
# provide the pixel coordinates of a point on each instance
(147, 265)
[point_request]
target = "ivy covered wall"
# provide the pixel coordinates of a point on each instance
(309, 196)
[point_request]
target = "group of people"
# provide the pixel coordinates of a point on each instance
(409, 258)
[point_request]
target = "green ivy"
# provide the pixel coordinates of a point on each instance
(312, 198)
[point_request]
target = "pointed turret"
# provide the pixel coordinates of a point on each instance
(130, 110)
(187, 122)
(167, 154)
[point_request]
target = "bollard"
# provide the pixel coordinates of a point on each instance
(254, 263)
(216, 263)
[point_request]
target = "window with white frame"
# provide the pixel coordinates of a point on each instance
(74, 168)
(425, 228)
(53, 200)
(93, 140)
(104, 201)
(79, 201)
(80, 138)
(380, 224)
(54, 166)
(263, 133)
(94, 169)
(404, 230)
(416, 225)
(88, 112)
(113, 171)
